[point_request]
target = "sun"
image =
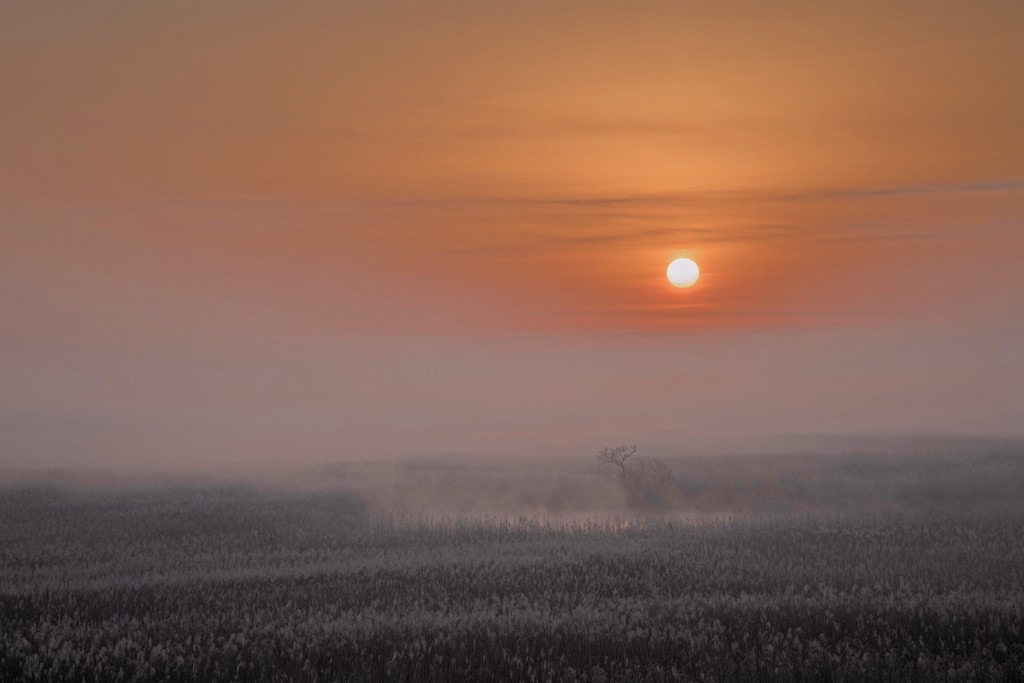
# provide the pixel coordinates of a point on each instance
(683, 272)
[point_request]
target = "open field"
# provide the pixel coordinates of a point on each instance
(247, 583)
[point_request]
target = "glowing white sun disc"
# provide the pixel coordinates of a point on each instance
(683, 272)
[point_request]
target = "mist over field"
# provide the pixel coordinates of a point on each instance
(817, 474)
(901, 565)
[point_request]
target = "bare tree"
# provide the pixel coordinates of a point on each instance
(654, 473)
(617, 456)
(646, 481)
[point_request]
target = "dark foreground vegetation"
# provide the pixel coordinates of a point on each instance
(235, 584)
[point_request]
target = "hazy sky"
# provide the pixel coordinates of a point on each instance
(277, 232)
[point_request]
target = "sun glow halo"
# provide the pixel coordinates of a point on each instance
(683, 272)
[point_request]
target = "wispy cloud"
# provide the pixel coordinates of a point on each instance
(703, 198)
(696, 198)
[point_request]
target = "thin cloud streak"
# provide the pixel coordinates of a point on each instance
(704, 198)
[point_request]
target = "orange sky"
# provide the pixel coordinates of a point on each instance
(319, 229)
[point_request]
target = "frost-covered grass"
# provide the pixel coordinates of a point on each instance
(229, 584)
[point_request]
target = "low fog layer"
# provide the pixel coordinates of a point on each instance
(818, 476)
